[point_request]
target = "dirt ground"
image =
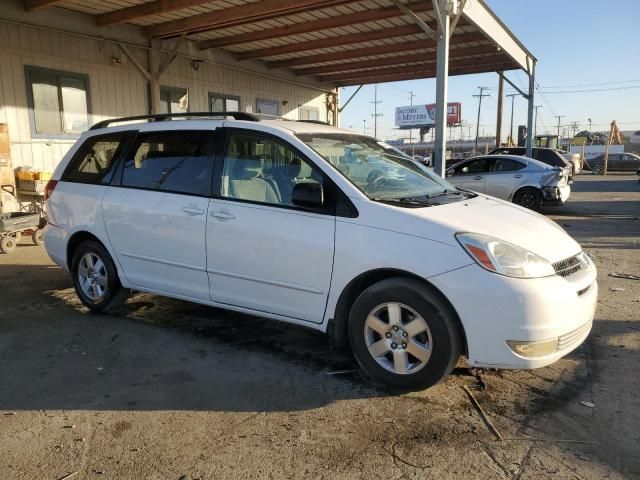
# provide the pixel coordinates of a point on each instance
(171, 390)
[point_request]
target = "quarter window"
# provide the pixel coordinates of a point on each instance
(178, 162)
(263, 170)
(94, 162)
(58, 101)
(223, 103)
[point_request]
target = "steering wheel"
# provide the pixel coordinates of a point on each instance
(376, 179)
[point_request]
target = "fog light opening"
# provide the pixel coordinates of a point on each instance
(533, 349)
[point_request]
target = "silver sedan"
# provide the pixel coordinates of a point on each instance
(520, 180)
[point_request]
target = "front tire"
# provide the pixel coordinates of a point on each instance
(404, 335)
(597, 169)
(528, 197)
(95, 278)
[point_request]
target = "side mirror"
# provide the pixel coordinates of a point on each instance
(308, 194)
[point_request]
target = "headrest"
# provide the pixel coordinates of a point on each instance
(246, 168)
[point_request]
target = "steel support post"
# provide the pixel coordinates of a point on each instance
(442, 80)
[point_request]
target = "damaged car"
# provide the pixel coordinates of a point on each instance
(520, 180)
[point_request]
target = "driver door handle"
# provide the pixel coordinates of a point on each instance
(517, 176)
(222, 215)
(477, 177)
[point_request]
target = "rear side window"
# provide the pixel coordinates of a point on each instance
(508, 165)
(178, 162)
(549, 157)
(94, 162)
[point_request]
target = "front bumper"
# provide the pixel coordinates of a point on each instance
(556, 195)
(495, 310)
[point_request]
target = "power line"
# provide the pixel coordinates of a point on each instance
(594, 90)
(592, 84)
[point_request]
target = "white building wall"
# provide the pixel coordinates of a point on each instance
(117, 90)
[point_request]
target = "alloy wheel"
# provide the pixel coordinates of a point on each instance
(92, 276)
(398, 338)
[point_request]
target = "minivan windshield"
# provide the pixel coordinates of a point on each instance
(380, 171)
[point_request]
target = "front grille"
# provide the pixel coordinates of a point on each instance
(568, 266)
(569, 339)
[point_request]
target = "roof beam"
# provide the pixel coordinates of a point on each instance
(478, 14)
(431, 33)
(30, 5)
(422, 57)
(311, 26)
(145, 9)
(373, 71)
(229, 17)
(420, 74)
(353, 53)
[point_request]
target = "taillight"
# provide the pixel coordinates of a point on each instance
(49, 188)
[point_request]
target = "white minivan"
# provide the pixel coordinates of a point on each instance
(321, 227)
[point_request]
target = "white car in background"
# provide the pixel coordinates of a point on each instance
(262, 217)
(517, 179)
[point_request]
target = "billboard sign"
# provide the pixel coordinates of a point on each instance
(419, 116)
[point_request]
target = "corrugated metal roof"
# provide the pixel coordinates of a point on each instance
(288, 37)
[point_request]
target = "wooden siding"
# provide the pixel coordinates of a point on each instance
(116, 90)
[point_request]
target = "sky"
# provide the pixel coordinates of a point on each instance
(580, 45)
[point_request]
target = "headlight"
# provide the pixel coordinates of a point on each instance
(503, 257)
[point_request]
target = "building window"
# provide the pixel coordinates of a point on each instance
(219, 102)
(267, 107)
(58, 102)
(174, 100)
(309, 113)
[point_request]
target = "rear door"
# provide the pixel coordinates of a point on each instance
(263, 252)
(471, 174)
(155, 213)
(505, 177)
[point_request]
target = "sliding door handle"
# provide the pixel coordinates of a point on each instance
(222, 215)
(193, 211)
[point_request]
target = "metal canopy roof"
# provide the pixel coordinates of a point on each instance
(340, 42)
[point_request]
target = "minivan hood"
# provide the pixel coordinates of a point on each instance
(500, 219)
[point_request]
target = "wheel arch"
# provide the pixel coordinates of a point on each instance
(337, 329)
(76, 239)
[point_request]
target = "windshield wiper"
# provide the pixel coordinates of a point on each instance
(403, 201)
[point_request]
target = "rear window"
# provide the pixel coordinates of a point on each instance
(178, 162)
(94, 162)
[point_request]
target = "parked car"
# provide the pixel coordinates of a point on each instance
(520, 180)
(262, 217)
(617, 162)
(545, 155)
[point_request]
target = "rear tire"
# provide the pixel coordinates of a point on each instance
(7, 244)
(36, 238)
(528, 197)
(404, 335)
(95, 278)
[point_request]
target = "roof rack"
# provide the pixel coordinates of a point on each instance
(317, 122)
(161, 117)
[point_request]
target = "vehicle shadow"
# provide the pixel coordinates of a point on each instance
(159, 354)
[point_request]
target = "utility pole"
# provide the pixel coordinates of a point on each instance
(499, 113)
(375, 113)
(589, 120)
(480, 96)
(413, 148)
(535, 125)
(513, 96)
(364, 126)
(559, 117)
